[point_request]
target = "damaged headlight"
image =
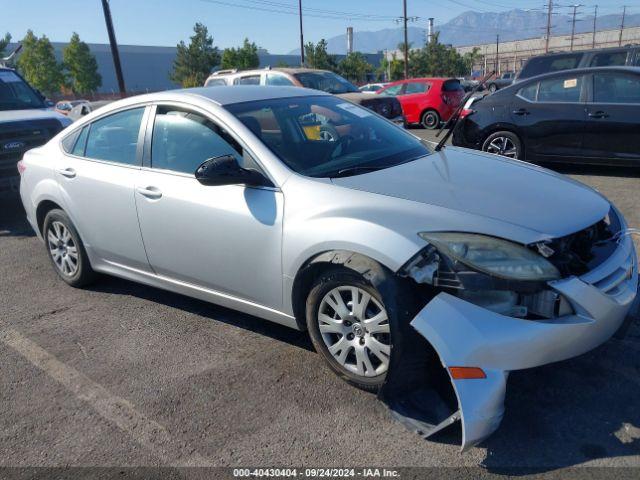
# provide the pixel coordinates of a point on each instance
(493, 256)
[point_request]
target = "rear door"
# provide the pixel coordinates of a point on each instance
(413, 98)
(550, 114)
(613, 124)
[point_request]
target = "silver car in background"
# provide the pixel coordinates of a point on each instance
(390, 253)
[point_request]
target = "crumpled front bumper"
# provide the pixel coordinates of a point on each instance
(466, 335)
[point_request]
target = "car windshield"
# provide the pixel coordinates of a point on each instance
(15, 94)
(324, 136)
(325, 81)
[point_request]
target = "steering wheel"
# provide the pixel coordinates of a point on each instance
(341, 145)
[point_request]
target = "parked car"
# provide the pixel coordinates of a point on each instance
(63, 107)
(372, 87)
(426, 101)
(600, 57)
(582, 115)
(82, 109)
(322, 80)
(376, 244)
(504, 80)
(25, 122)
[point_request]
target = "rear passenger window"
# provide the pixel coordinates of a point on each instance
(415, 87)
(563, 89)
(70, 140)
(540, 65)
(115, 138)
(616, 88)
(216, 82)
(173, 129)
(609, 59)
(277, 79)
(529, 92)
(81, 143)
(248, 80)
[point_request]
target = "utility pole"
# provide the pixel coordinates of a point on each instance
(624, 12)
(595, 19)
(549, 16)
(406, 40)
(301, 36)
(114, 45)
(573, 23)
(497, 69)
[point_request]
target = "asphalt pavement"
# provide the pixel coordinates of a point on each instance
(121, 374)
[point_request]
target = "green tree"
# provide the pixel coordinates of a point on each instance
(38, 65)
(194, 62)
(391, 69)
(242, 58)
(4, 42)
(436, 60)
(316, 56)
(471, 58)
(81, 67)
(355, 67)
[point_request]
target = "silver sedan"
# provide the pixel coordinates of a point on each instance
(312, 212)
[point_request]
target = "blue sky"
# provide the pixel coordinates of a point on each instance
(165, 22)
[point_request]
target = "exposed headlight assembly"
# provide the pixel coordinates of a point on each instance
(493, 256)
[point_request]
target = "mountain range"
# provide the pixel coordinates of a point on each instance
(471, 28)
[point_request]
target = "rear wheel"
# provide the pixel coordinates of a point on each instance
(503, 143)
(65, 249)
(430, 119)
(350, 327)
(493, 88)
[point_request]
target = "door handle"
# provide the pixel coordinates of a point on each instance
(522, 111)
(149, 192)
(598, 114)
(67, 172)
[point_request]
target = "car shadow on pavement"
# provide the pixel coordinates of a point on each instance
(113, 285)
(13, 221)
(567, 413)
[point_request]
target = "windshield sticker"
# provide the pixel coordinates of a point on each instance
(9, 77)
(571, 83)
(354, 109)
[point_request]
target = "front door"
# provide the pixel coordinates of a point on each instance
(551, 116)
(613, 127)
(224, 238)
(96, 178)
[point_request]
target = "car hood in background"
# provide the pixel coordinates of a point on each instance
(489, 186)
(30, 114)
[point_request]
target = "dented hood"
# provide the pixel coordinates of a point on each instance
(487, 185)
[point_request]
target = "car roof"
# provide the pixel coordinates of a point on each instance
(581, 52)
(226, 95)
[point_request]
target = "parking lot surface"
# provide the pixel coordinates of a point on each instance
(124, 374)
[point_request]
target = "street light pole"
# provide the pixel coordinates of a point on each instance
(406, 40)
(301, 36)
(114, 45)
(573, 23)
(549, 16)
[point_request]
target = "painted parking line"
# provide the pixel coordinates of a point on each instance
(119, 411)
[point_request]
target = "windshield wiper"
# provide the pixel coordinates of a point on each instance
(453, 119)
(345, 172)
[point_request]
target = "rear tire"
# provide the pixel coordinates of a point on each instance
(430, 120)
(493, 88)
(504, 143)
(66, 250)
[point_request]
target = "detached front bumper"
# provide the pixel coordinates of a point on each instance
(466, 335)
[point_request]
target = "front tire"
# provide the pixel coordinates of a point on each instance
(350, 327)
(430, 120)
(504, 143)
(66, 250)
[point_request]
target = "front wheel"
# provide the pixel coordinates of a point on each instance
(349, 326)
(505, 143)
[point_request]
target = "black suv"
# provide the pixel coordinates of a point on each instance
(602, 57)
(25, 123)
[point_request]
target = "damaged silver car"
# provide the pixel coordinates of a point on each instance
(426, 275)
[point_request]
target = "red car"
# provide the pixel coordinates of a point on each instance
(427, 101)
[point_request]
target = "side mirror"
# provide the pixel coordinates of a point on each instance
(225, 170)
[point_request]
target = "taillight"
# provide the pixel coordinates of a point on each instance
(466, 111)
(21, 167)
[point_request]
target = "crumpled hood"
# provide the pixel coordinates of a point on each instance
(487, 185)
(32, 114)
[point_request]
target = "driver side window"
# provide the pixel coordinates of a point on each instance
(182, 140)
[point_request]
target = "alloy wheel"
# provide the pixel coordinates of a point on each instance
(62, 248)
(355, 329)
(502, 146)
